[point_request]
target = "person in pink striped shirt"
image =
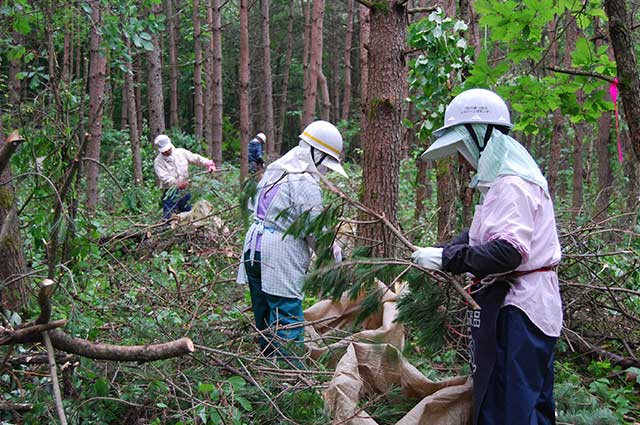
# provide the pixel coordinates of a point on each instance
(510, 251)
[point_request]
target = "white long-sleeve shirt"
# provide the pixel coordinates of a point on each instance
(175, 167)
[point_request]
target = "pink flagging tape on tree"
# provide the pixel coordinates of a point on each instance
(613, 91)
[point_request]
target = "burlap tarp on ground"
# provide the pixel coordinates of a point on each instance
(331, 325)
(373, 369)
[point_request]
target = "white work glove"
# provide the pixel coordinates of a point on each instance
(429, 257)
(337, 252)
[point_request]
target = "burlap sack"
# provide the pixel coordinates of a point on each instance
(370, 369)
(331, 325)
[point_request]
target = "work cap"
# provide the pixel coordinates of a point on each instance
(162, 143)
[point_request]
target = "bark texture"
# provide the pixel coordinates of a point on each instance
(134, 134)
(267, 104)
(97, 76)
(284, 100)
(315, 63)
(154, 85)
(348, 68)
(216, 81)
(172, 32)
(383, 112)
(244, 88)
(198, 106)
(620, 32)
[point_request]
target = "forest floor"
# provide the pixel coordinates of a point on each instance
(133, 281)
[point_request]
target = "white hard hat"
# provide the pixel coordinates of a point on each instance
(262, 137)
(475, 106)
(326, 138)
(162, 143)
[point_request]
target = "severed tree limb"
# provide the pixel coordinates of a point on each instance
(36, 359)
(26, 334)
(53, 371)
(439, 277)
(44, 300)
(8, 148)
(16, 407)
(123, 353)
(582, 346)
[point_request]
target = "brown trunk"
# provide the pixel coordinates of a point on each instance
(130, 101)
(244, 88)
(15, 84)
(172, 26)
(97, 75)
(124, 112)
(381, 139)
(216, 82)
(605, 176)
(197, 72)
(13, 295)
(324, 91)
(66, 58)
(578, 173)
(348, 39)
(468, 15)
(137, 78)
(208, 84)
(631, 173)
(154, 85)
(315, 63)
(446, 196)
(423, 187)
(268, 80)
(365, 30)
(307, 44)
(284, 102)
(620, 32)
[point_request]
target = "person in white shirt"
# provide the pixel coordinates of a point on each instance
(172, 169)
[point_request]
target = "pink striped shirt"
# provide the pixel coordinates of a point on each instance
(521, 213)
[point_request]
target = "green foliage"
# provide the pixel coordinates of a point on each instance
(445, 60)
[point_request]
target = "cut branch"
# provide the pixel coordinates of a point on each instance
(10, 146)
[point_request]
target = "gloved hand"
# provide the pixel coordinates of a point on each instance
(211, 166)
(429, 257)
(337, 252)
(182, 184)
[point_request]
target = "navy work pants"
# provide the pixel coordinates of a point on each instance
(272, 312)
(176, 203)
(520, 389)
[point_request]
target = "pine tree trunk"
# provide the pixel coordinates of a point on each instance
(137, 78)
(620, 32)
(66, 58)
(284, 102)
(198, 105)
(348, 68)
(423, 186)
(172, 25)
(446, 193)
(13, 292)
(267, 105)
(306, 48)
(97, 75)
(15, 84)
(216, 82)
(154, 85)
(134, 135)
(315, 63)
(383, 112)
(605, 175)
(578, 171)
(365, 34)
(124, 103)
(633, 179)
(324, 92)
(558, 122)
(244, 88)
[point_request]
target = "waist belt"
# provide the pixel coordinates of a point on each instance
(515, 274)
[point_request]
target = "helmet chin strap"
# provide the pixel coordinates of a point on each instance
(474, 136)
(313, 156)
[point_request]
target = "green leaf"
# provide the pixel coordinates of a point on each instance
(147, 45)
(246, 405)
(237, 382)
(205, 388)
(22, 25)
(101, 387)
(87, 8)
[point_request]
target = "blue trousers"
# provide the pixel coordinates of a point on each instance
(272, 312)
(520, 389)
(177, 203)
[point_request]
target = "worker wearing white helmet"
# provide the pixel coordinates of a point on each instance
(510, 251)
(275, 265)
(172, 170)
(255, 152)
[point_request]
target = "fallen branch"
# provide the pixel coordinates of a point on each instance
(582, 346)
(16, 407)
(8, 148)
(53, 372)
